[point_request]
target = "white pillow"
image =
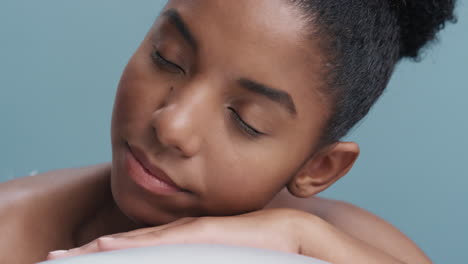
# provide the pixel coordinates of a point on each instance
(189, 254)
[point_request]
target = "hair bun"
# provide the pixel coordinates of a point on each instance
(420, 20)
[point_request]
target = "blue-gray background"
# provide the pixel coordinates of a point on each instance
(60, 62)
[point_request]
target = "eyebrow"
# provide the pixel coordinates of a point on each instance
(176, 20)
(278, 96)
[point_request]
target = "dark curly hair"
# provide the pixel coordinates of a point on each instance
(364, 40)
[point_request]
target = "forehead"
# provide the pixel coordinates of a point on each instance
(263, 39)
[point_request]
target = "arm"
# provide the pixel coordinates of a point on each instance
(357, 223)
(287, 230)
(322, 240)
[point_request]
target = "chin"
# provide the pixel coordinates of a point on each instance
(138, 210)
(134, 204)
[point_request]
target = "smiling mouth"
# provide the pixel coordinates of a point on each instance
(148, 175)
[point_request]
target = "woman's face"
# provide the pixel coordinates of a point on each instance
(221, 98)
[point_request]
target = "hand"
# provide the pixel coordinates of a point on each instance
(268, 229)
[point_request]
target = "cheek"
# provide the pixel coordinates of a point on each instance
(140, 92)
(246, 181)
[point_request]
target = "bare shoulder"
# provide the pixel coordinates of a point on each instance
(51, 177)
(45, 189)
(36, 211)
(358, 223)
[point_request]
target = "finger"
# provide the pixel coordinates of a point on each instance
(94, 246)
(182, 232)
(145, 230)
(155, 230)
(111, 242)
(179, 234)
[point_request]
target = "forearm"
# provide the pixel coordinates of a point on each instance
(319, 239)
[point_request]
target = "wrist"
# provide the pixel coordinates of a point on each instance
(303, 226)
(297, 226)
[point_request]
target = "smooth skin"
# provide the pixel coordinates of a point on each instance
(63, 209)
(226, 97)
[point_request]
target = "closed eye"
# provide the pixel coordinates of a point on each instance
(244, 126)
(164, 63)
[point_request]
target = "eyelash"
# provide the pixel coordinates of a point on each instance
(159, 60)
(249, 130)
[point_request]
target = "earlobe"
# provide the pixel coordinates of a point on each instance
(324, 169)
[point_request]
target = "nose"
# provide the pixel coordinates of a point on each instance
(177, 123)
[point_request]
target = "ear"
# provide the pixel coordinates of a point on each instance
(323, 169)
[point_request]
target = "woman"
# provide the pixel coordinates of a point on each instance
(222, 106)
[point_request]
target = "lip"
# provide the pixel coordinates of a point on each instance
(148, 175)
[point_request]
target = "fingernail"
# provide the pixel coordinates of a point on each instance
(58, 252)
